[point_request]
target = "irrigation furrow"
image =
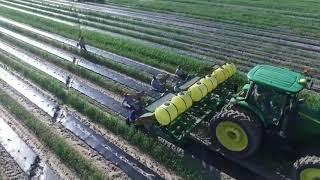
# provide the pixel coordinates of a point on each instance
(96, 51)
(109, 151)
(106, 72)
(62, 76)
(23, 155)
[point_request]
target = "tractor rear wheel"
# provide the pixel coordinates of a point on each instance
(307, 168)
(237, 133)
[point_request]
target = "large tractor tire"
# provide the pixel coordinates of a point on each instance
(307, 168)
(237, 133)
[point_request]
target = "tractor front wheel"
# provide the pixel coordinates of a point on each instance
(307, 168)
(237, 133)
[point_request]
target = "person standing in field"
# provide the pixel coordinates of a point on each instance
(82, 44)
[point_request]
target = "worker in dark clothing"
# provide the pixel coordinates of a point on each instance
(130, 103)
(181, 74)
(176, 87)
(82, 44)
(132, 117)
(75, 60)
(57, 112)
(69, 81)
(308, 74)
(157, 85)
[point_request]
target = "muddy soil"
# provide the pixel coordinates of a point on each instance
(9, 169)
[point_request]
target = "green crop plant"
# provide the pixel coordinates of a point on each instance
(106, 19)
(91, 57)
(153, 56)
(244, 12)
(82, 72)
(58, 145)
(145, 143)
(121, 28)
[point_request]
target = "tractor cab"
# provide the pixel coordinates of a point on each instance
(272, 93)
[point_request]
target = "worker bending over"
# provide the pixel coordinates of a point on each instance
(157, 85)
(181, 74)
(130, 103)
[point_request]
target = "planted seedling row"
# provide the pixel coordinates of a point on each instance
(82, 62)
(109, 151)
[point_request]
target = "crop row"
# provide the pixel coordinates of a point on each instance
(238, 59)
(152, 56)
(195, 27)
(59, 146)
(261, 19)
(81, 72)
(147, 144)
(223, 51)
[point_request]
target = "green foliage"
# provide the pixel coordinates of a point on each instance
(146, 144)
(59, 146)
(311, 99)
(82, 72)
(153, 56)
(286, 15)
(93, 58)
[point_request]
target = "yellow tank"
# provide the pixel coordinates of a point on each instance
(226, 71)
(230, 69)
(208, 83)
(219, 75)
(179, 103)
(234, 68)
(186, 97)
(166, 113)
(198, 91)
(213, 81)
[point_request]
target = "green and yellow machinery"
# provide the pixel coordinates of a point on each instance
(268, 107)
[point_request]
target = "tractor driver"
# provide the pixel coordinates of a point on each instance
(261, 97)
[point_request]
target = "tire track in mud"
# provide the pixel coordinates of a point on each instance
(9, 169)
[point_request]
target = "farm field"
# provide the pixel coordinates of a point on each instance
(63, 106)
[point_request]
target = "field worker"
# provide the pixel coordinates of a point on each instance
(75, 61)
(181, 74)
(130, 103)
(157, 85)
(162, 77)
(308, 75)
(82, 44)
(69, 81)
(176, 88)
(132, 116)
(57, 112)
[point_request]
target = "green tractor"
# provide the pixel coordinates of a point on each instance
(269, 106)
